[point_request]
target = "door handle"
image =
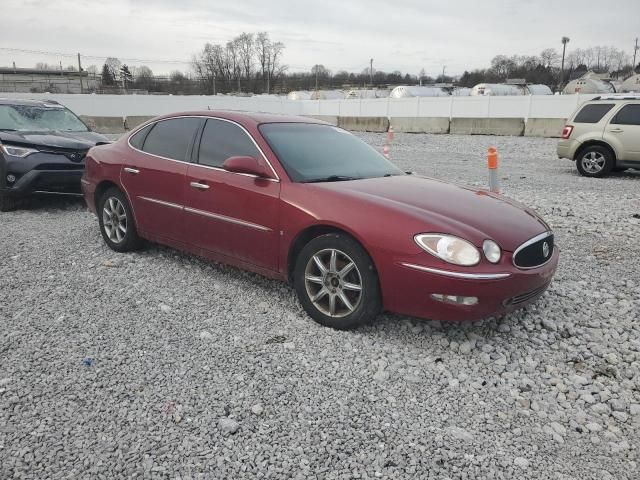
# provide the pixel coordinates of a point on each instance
(200, 186)
(133, 171)
(616, 130)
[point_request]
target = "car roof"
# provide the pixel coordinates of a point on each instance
(27, 102)
(617, 97)
(248, 118)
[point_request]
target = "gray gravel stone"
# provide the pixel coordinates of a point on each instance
(228, 426)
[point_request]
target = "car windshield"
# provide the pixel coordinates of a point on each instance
(324, 153)
(37, 118)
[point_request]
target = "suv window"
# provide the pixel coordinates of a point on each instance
(593, 113)
(171, 138)
(221, 140)
(628, 115)
(138, 139)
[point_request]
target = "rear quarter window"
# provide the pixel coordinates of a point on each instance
(137, 140)
(592, 113)
(628, 115)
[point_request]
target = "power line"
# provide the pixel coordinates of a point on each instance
(94, 57)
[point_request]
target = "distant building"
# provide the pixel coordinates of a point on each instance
(32, 80)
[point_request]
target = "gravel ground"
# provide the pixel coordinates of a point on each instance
(160, 365)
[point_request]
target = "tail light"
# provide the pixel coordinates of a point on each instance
(566, 131)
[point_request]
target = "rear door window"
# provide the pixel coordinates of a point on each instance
(628, 115)
(221, 140)
(137, 140)
(172, 138)
(593, 113)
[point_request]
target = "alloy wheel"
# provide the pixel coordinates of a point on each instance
(593, 162)
(333, 283)
(114, 220)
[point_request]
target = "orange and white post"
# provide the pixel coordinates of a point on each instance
(492, 165)
(387, 145)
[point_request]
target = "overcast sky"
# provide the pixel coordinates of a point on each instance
(404, 35)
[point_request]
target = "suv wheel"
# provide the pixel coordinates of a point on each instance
(336, 282)
(8, 203)
(595, 161)
(116, 222)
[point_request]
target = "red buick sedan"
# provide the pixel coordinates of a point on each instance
(301, 200)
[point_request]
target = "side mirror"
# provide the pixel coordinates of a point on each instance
(245, 164)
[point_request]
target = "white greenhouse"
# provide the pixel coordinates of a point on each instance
(417, 91)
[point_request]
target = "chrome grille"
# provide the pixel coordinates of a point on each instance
(535, 252)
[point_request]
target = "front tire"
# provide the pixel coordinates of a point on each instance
(8, 203)
(595, 161)
(116, 222)
(336, 282)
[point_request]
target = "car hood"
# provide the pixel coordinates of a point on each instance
(54, 139)
(448, 208)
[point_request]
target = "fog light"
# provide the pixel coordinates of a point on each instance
(11, 178)
(455, 299)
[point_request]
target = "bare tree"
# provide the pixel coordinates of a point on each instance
(234, 60)
(113, 65)
(275, 67)
(263, 48)
(549, 57)
(244, 43)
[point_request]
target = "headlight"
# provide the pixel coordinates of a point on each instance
(449, 248)
(20, 152)
(492, 251)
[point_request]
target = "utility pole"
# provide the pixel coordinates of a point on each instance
(564, 41)
(635, 52)
(371, 72)
(80, 73)
(444, 67)
(317, 77)
(214, 84)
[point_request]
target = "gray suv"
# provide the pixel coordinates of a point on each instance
(603, 135)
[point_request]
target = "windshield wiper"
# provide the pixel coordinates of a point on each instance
(8, 129)
(332, 178)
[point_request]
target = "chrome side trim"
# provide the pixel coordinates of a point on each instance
(531, 241)
(162, 202)
(224, 218)
(448, 273)
(85, 182)
(62, 194)
(277, 179)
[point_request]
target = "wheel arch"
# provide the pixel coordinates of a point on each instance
(314, 231)
(105, 185)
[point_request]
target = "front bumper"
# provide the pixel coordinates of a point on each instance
(40, 172)
(408, 290)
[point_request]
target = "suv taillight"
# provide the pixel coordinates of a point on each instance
(566, 131)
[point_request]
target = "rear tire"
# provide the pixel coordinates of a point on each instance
(116, 222)
(336, 282)
(595, 161)
(8, 203)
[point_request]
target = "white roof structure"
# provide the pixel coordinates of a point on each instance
(367, 93)
(299, 95)
(631, 84)
(405, 91)
(496, 89)
(327, 95)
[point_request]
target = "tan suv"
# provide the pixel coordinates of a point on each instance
(603, 135)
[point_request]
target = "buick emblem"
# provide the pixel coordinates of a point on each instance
(545, 249)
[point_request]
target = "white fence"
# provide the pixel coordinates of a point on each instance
(529, 106)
